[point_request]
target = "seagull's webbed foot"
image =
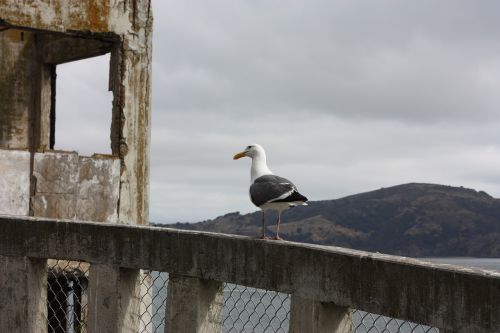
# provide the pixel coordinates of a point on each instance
(263, 237)
(277, 238)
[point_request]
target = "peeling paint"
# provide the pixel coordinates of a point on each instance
(58, 15)
(56, 173)
(75, 187)
(98, 189)
(14, 182)
(136, 67)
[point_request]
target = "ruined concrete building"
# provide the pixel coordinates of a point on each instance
(36, 180)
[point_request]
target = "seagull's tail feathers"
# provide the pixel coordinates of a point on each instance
(293, 198)
(298, 199)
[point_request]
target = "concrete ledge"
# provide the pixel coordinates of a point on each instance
(445, 296)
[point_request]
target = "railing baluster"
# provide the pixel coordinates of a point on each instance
(23, 295)
(194, 305)
(113, 299)
(317, 317)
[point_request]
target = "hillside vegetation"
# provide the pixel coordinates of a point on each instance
(412, 219)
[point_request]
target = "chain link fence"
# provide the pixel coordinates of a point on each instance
(255, 310)
(246, 310)
(153, 301)
(364, 322)
(67, 296)
(250, 310)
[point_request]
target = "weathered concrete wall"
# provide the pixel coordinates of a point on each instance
(56, 177)
(72, 187)
(98, 189)
(14, 182)
(62, 15)
(18, 88)
(23, 295)
(132, 115)
(445, 296)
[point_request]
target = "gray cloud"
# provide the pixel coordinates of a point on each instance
(420, 61)
(346, 96)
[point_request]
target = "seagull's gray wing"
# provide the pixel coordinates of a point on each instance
(272, 188)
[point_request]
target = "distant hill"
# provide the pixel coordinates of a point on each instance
(415, 220)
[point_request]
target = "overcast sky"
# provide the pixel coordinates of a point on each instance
(345, 96)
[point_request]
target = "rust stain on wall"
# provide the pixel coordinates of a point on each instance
(98, 14)
(58, 15)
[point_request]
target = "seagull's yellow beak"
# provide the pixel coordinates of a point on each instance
(239, 155)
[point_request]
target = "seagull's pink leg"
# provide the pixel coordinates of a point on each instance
(277, 237)
(263, 226)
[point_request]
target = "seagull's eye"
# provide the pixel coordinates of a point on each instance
(249, 147)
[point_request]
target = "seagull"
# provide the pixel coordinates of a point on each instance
(268, 191)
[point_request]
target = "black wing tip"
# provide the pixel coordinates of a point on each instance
(294, 197)
(302, 198)
(298, 197)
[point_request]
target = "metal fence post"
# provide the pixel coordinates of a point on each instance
(194, 305)
(23, 295)
(317, 317)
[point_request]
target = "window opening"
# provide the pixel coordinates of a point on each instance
(83, 110)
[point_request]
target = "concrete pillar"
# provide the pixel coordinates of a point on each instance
(317, 317)
(131, 124)
(23, 295)
(113, 301)
(194, 305)
(19, 80)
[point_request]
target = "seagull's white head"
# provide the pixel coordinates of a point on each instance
(251, 151)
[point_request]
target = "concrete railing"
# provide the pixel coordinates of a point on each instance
(325, 282)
